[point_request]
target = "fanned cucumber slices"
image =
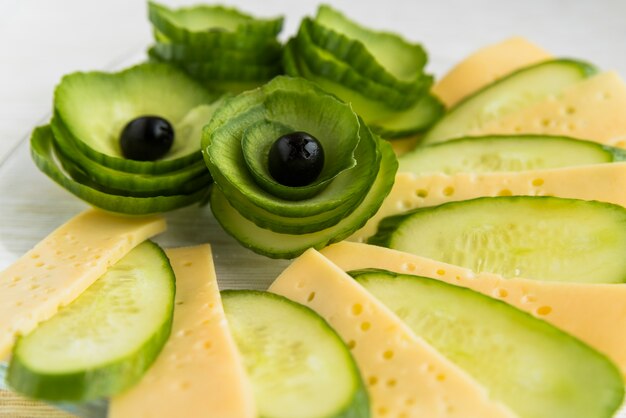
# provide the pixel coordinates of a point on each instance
(380, 74)
(102, 342)
(130, 141)
(524, 362)
(507, 153)
(298, 365)
(276, 219)
(221, 47)
(544, 238)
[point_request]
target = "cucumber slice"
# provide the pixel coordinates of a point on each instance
(174, 182)
(543, 238)
(277, 245)
(204, 24)
(298, 365)
(106, 339)
(506, 153)
(326, 65)
(513, 92)
(222, 69)
(116, 99)
(182, 53)
(388, 122)
(531, 366)
(42, 152)
(382, 56)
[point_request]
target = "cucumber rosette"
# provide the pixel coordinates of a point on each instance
(282, 221)
(82, 147)
(380, 74)
(222, 47)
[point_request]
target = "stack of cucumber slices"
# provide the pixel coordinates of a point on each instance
(81, 148)
(282, 221)
(380, 74)
(221, 47)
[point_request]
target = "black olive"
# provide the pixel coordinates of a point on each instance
(146, 138)
(296, 159)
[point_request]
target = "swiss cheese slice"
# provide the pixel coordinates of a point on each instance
(595, 313)
(485, 66)
(59, 268)
(592, 109)
(406, 377)
(602, 182)
(199, 372)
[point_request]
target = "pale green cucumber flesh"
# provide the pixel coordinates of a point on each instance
(507, 153)
(299, 367)
(279, 245)
(531, 366)
(117, 98)
(543, 238)
(42, 152)
(106, 339)
(513, 92)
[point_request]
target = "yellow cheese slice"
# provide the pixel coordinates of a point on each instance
(486, 66)
(59, 268)
(592, 109)
(199, 372)
(595, 313)
(603, 182)
(406, 377)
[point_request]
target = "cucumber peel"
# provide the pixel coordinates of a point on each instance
(533, 367)
(105, 340)
(298, 365)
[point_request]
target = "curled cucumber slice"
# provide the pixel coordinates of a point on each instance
(44, 156)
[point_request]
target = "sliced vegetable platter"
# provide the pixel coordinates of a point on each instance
(32, 212)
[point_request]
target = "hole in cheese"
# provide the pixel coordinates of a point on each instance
(311, 297)
(421, 193)
(388, 355)
(365, 326)
(544, 310)
(357, 308)
(505, 192)
(448, 191)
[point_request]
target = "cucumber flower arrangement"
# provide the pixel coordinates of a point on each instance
(294, 167)
(379, 73)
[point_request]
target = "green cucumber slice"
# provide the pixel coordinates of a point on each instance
(42, 152)
(326, 65)
(298, 365)
(106, 339)
(269, 53)
(222, 69)
(382, 56)
(116, 99)
(383, 120)
(543, 238)
(203, 24)
(277, 245)
(513, 92)
(497, 153)
(174, 182)
(528, 364)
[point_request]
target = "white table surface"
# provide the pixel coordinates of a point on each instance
(40, 40)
